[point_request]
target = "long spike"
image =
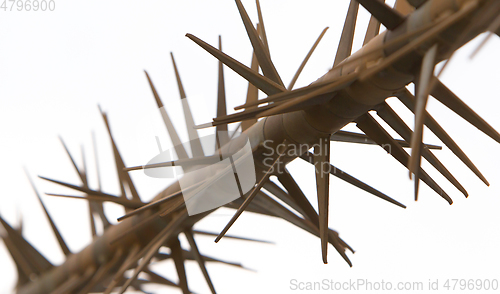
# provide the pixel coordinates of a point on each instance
(59, 238)
(242, 116)
(375, 131)
(182, 93)
(340, 245)
(275, 190)
(84, 167)
(185, 163)
(252, 93)
(286, 179)
(98, 172)
(448, 98)
(77, 169)
(321, 159)
(24, 267)
(278, 210)
(262, 29)
(221, 134)
(250, 197)
(265, 84)
(178, 258)
(351, 137)
(189, 256)
(194, 139)
(36, 260)
(198, 232)
(389, 17)
(265, 62)
(306, 59)
(131, 204)
(221, 130)
(98, 206)
(174, 137)
(422, 90)
(199, 258)
(91, 192)
(150, 205)
(335, 171)
(345, 45)
(252, 207)
(296, 193)
(90, 203)
(397, 124)
(120, 165)
(409, 101)
(493, 27)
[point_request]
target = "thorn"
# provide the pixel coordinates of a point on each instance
(221, 130)
(335, 171)
(306, 59)
(194, 140)
(250, 196)
(346, 39)
(375, 131)
(449, 99)
(321, 159)
(56, 232)
(408, 100)
(252, 92)
(492, 28)
(199, 258)
(174, 137)
(423, 90)
(265, 84)
(265, 62)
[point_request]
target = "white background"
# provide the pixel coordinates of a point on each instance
(55, 67)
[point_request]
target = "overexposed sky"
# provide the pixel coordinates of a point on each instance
(57, 66)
